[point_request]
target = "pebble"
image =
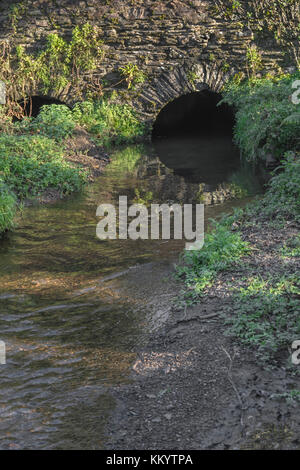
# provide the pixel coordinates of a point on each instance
(156, 420)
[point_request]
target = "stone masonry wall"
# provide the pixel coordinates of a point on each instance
(182, 46)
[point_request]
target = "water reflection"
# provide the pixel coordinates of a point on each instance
(69, 334)
(209, 160)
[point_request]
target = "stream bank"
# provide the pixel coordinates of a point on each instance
(74, 309)
(219, 374)
(96, 319)
(195, 388)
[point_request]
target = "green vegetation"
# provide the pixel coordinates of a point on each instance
(32, 159)
(16, 12)
(110, 121)
(263, 119)
(291, 248)
(265, 315)
(132, 74)
(143, 197)
(58, 66)
(7, 208)
(107, 120)
(32, 150)
(31, 164)
(54, 121)
(277, 20)
(254, 61)
(221, 250)
(282, 199)
(264, 309)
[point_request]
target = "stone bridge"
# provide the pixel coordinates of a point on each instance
(182, 46)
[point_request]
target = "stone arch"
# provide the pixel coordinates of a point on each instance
(34, 103)
(171, 84)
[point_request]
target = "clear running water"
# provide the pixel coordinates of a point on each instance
(69, 333)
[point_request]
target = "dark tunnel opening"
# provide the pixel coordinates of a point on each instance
(194, 136)
(194, 114)
(32, 105)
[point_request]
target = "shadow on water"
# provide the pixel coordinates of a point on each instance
(199, 159)
(193, 136)
(68, 332)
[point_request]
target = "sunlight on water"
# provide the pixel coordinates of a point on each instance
(68, 333)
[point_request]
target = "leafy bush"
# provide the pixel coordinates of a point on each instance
(55, 121)
(32, 150)
(7, 208)
(31, 164)
(266, 315)
(263, 119)
(282, 199)
(109, 121)
(58, 64)
(132, 74)
(222, 248)
(291, 249)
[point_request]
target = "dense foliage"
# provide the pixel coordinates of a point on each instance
(265, 314)
(264, 310)
(7, 207)
(32, 150)
(109, 121)
(54, 121)
(31, 164)
(282, 200)
(266, 122)
(32, 159)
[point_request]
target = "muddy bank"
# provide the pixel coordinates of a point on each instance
(194, 388)
(83, 151)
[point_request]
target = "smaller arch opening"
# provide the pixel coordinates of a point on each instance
(33, 104)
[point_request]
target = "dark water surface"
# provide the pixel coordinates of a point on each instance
(68, 334)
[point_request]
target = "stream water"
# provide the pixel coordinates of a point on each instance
(69, 334)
